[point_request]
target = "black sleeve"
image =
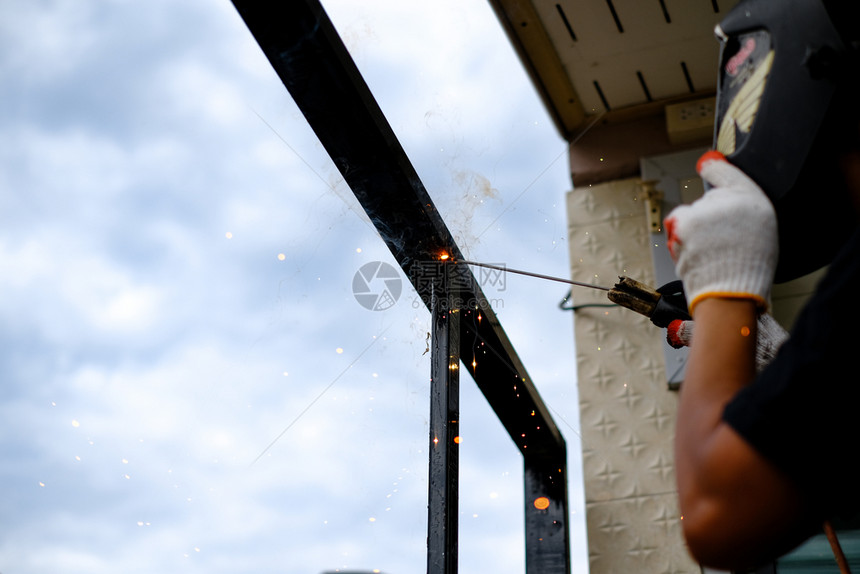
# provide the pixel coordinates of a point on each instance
(803, 411)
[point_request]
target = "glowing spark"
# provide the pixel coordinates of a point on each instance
(339, 351)
(745, 331)
(75, 423)
(281, 256)
(541, 503)
(444, 256)
(228, 235)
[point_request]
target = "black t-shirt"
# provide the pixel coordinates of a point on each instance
(803, 411)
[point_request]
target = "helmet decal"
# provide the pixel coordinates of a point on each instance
(742, 110)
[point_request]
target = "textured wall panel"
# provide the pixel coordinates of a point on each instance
(627, 413)
(633, 535)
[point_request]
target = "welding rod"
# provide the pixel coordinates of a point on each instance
(530, 274)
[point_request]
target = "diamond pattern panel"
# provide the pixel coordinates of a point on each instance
(633, 535)
(627, 413)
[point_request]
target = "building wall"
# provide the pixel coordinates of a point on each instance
(627, 413)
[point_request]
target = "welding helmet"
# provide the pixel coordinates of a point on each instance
(784, 113)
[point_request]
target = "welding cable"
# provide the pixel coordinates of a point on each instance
(562, 304)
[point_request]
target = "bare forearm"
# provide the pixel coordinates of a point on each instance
(722, 361)
(729, 494)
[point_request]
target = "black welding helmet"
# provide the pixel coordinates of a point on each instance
(785, 69)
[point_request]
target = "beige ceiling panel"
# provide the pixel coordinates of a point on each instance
(621, 53)
(650, 74)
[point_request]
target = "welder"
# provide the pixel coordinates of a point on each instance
(765, 454)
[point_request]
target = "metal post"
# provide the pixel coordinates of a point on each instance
(444, 436)
(546, 511)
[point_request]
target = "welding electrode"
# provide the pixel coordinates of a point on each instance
(530, 274)
(662, 305)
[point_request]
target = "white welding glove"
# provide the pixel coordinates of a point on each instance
(770, 337)
(725, 244)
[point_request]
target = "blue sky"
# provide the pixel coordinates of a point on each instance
(188, 383)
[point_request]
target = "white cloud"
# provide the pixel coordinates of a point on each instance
(149, 359)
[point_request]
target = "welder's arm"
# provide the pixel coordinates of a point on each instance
(736, 506)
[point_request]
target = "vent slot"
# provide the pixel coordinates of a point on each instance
(615, 16)
(601, 96)
(687, 77)
(644, 85)
(665, 11)
(566, 22)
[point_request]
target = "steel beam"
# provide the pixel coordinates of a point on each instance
(443, 498)
(546, 514)
(311, 60)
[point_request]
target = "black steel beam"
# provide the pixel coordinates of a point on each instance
(546, 516)
(311, 60)
(309, 57)
(443, 498)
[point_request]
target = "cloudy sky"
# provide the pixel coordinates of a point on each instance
(188, 383)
